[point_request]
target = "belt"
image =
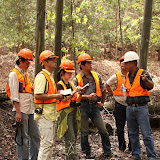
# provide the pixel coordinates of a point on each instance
(89, 102)
(136, 105)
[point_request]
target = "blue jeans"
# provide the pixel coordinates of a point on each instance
(29, 133)
(120, 116)
(91, 111)
(139, 117)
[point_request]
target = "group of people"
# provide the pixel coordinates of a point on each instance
(65, 108)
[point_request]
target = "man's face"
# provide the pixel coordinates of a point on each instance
(122, 65)
(25, 64)
(87, 66)
(52, 63)
(128, 66)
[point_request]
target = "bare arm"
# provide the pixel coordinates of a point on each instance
(101, 104)
(109, 89)
(149, 83)
(48, 96)
(18, 117)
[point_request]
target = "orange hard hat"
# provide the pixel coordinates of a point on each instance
(121, 59)
(84, 57)
(45, 55)
(67, 65)
(26, 54)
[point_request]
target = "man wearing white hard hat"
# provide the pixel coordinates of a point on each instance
(138, 84)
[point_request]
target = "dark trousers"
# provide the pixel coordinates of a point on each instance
(91, 111)
(120, 116)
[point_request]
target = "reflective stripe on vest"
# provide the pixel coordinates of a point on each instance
(97, 81)
(60, 104)
(51, 90)
(120, 81)
(26, 86)
(136, 89)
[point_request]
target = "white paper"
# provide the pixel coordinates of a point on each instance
(66, 92)
(85, 86)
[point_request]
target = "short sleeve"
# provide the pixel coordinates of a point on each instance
(39, 84)
(112, 80)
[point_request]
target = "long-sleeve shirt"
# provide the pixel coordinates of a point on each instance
(25, 99)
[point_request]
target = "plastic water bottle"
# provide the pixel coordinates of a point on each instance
(123, 89)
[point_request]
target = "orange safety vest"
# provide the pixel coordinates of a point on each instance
(120, 81)
(136, 89)
(51, 90)
(26, 86)
(97, 81)
(60, 104)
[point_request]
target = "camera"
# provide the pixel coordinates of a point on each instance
(38, 110)
(75, 103)
(16, 124)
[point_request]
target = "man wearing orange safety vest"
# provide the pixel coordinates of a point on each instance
(138, 84)
(19, 90)
(45, 97)
(92, 99)
(119, 95)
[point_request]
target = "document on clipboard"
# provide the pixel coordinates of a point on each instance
(85, 86)
(66, 92)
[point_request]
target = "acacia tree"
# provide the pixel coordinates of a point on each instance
(58, 32)
(40, 28)
(146, 33)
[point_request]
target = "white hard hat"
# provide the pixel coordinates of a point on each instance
(130, 56)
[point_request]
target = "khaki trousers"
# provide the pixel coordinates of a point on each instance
(47, 133)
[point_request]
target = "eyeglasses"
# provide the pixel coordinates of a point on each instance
(52, 59)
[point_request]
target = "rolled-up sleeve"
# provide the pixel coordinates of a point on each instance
(102, 85)
(14, 86)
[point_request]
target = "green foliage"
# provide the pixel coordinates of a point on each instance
(91, 21)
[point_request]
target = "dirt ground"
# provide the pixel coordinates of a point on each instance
(106, 68)
(8, 146)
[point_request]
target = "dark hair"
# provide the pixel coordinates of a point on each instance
(59, 74)
(82, 63)
(135, 62)
(20, 58)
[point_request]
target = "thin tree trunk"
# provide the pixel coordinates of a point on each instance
(19, 24)
(58, 33)
(159, 55)
(49, 25)
(74, 51)
(120, 23)
(145, 33)
(116, 31)
(40, 28)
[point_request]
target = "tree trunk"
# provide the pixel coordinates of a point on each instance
(116, 32)
(159, 55)
(120, 23)
(40, 28)
(58, 33)
(145, 33)
(74, 52)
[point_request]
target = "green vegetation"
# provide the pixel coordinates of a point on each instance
(95, 23)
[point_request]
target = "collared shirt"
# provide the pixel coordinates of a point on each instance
(142, 83)
(92, 85)
(41, 87)
(138, 99)
(25, 99)
(113, 81)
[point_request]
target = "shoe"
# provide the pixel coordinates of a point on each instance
(88, 156)
(105, 156)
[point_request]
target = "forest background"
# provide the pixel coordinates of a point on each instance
(100, 28)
